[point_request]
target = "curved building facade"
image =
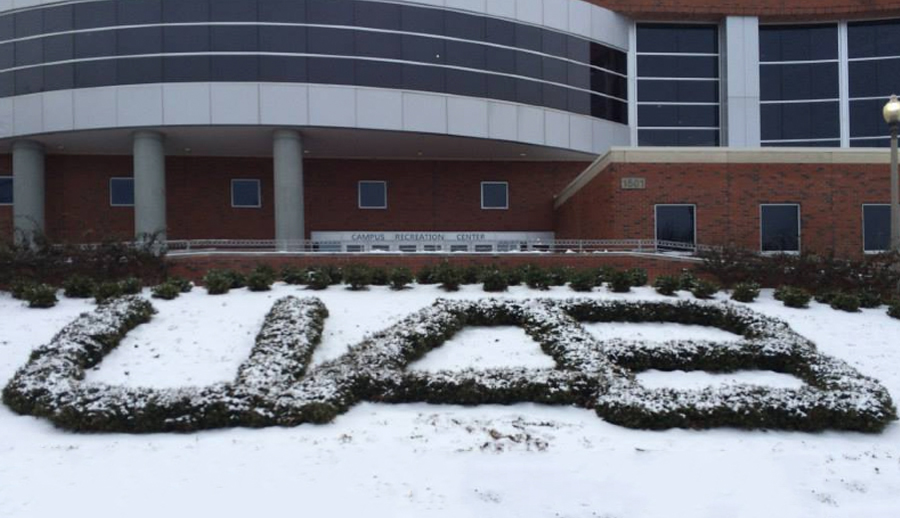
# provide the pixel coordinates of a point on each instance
(335, 119)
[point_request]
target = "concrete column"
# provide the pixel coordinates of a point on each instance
(742, 126)
(287, 155)
(28, 189)
(149, 185)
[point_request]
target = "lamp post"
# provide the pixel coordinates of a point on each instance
(891, 114)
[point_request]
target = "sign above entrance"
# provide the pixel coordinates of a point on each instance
(429, 237)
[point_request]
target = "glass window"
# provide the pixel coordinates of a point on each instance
(378, 44)
(140, 70)
(285, 11)
(143, 12)
(676, 223)
(799, 82)
(245, 193)
(418, 19)
(29, 80)
(186, 38)
(494, 195)
(59, 77)
(674, 137)
(6, 190)
(60, 18)
(177, 69)
(876, 228)
(236, 38)
(336, 42)
(29, 52)
(234, 68)
(93, 44)
(378, 15)
(330, 71)
(59, 48)
(143, 40)
(282, 69)
(800, 121)
(372, 195)
(780, 227)
(798, 43)
(378, 73)
(870, 39)
(95, 14)
(696, 39)
(89, 74)
(282, 39)
(332, 12)
(678, 66)
(28, 23)
(674, 115)
(121, 192)
(464, 26)
(7, 55)
(233, 10)
(875, 78)
(679, 91)
(186, 10)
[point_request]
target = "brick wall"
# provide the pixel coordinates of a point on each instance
(6, 211)
(769, 9)
(422, 195)
(195, 266)
(434, 196)
(830, 198)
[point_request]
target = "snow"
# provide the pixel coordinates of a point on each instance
(653, 379)
(482, 348)
(658, 332)
(423, 460)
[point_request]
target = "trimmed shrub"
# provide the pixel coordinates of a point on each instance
(620, 282)
(166, 291)
(78, 287)
(583, 280)
(335, 273)
(793, 297)
(537, 278)
(494, 280)
(379, 277)
(869, 299)
(687, 280)
(41, 296)
(845, 302)
(266, 271)
(449, 277)
(400, 278)
(604, 274)
(293, 275)
(184, 285)
(825, 296)
(745, 292)
(470, 274)
(894, 310)
(217, 282)
(559, 276)
(427, 275)
(20, 288)
(704, 289)
(638, 276)
(667, 285)
(259, 281)
(238, 279)
(107, 291)
(131, 286)
(357, 277)
(318, 279)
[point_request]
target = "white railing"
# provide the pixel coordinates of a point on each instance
(394, 247)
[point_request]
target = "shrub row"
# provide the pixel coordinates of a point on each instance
(273, 386)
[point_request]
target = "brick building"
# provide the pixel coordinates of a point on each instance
(449, 125)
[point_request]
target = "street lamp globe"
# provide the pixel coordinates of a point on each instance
(891, 110)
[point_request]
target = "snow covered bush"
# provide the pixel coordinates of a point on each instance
(166, 291)
(745, 292)
(494, 280)
(217, 282)
(107, 291)
(620, 282)
(274, 386)
(704, 289)
(845, 302)
(667, 285)
(583, 280)
(41, 296)
(399, 278)
(78, 287)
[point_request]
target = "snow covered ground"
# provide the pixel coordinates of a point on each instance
(421, 460)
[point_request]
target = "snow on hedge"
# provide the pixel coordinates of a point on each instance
(275, 387)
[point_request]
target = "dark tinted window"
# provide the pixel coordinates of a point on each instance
(464, 26)
(186, 38)
(282, 39)
(378, 74)
(679, 91)
(245, 193)
(143, 40)
(282, 69)
(331, 12)
(95, 73)
(330, 71)
(186, 68)
(234, 38)
(876, 78)
(462, 54)
(797, 82)
(140, 70)
(59, 48)
(59, 77)
(877, 142)
(675, 223)
(417, 19)
(463, 82)
(7, 55)
(6, 190)
(372, 195)
(780, 228)
(233, 10)
(876, 228)
(29, 80)
(800, 121)
(494, 195)
(287, 11)
(866, 119)
(678, 66)
(58, 19)
(121, 192)
(234, 68)
(677, 38)
(798, 43)
(336, 42)
(186, 10)
(380, 44)
(500, 32)
(426, 50)
(871, 39)
(28, 23)
(92, 44)
(678, 137)
(675, 115)
(139, 12)
(382, 16)
(7, 84)
(29, 52)
(95, 14)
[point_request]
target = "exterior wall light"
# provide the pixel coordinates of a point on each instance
(891, 114)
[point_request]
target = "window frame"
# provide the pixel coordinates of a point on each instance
(258, 193)
(359, 200)
(863, 235)
(505, 184)
(12, 198)
(109, 186)
(656, 207)
(799, 229)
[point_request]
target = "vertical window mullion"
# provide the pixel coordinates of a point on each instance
(844, 84)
